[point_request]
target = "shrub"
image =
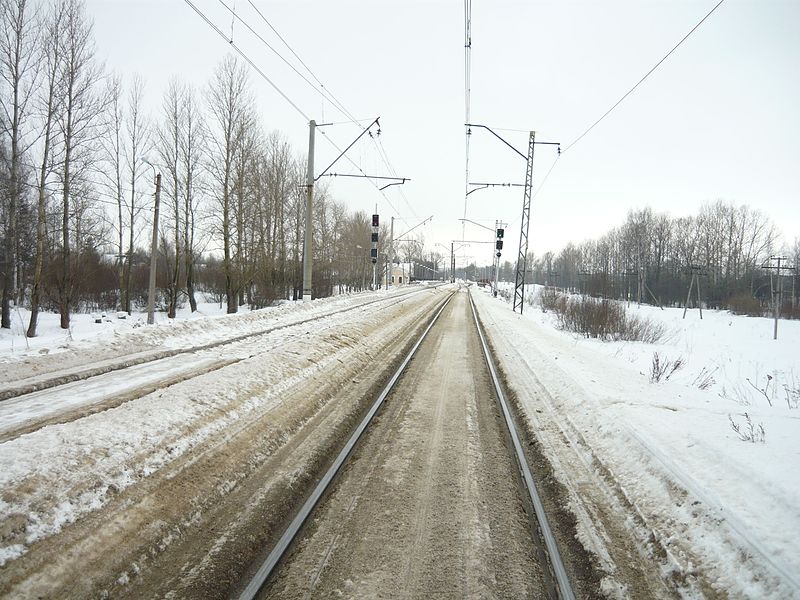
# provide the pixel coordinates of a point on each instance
(602, 319)
(789, 312)
(662, 368)
(745, 304)
(705, 378)
(792, 394)
(553, 300)
(748, 431)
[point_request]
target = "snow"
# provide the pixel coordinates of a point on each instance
(720, 506)
(670, 440)
(88, 460)
(51, 338)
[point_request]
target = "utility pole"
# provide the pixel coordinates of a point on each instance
(777, 289)
(310, 179)
(522, 257)
(452, 263)
(308, 241)
(151, 291)
(695, 270)
(390, 267)
(519, 279)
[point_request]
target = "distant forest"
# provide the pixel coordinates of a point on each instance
(651, 258)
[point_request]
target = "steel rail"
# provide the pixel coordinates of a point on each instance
(85, 373)
(559, 572)
(280, 548)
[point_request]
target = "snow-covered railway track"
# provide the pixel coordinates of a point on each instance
(175, 482)
(448, 514)
(28, 405)
(21, 386)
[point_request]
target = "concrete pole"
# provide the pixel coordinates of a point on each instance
(308, 241)
(390, 268)
(452, 263)
(777, 293)
(496, 262)
(151, 292)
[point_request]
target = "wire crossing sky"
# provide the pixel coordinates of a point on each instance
(716, 120)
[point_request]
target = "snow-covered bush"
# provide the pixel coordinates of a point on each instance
(600, 318)
(550, 299)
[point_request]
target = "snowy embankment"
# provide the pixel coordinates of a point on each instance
(725, 510)
(209, 323)
(59, 473)
(87, 342)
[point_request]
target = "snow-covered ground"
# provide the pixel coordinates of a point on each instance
(89, 458)
(733, 506)
(725, 512)
(51, 338)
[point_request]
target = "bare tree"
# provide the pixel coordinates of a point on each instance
(229, 101)
(169, 150)
(180, 144)
(137, 144)
(111, 173)
(48, 104)
(78, 121)
(191, 149)
(19, 62)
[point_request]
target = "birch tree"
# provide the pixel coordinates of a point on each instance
(48, 103)
(111, 175)
(192, 145)
(229, 99)
(137, 144)
(78, 120)
(169, 151)
(19, 60)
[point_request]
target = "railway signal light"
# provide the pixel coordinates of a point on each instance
(499, 245)
(374, 250)
(500, 233)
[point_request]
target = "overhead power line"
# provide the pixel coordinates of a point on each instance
(322, 91)
(646, 75)
(467, 97)
(335, 100)
(325, 93)
(247, 58)
(328, 95)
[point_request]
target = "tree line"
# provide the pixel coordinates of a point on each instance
(651, 257)
(78, 156)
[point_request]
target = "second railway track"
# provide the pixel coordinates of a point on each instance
(27, 406)
(14, 388)
(427, 502)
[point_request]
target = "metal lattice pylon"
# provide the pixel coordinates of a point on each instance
(519, 282)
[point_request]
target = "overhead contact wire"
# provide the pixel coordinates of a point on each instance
(646, 75)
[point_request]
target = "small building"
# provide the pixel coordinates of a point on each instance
(401, 274)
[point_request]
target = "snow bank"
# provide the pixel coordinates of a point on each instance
(740, 512)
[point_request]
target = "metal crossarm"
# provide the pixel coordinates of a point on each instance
(519, 281)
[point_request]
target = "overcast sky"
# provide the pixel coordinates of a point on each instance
(719, 119)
